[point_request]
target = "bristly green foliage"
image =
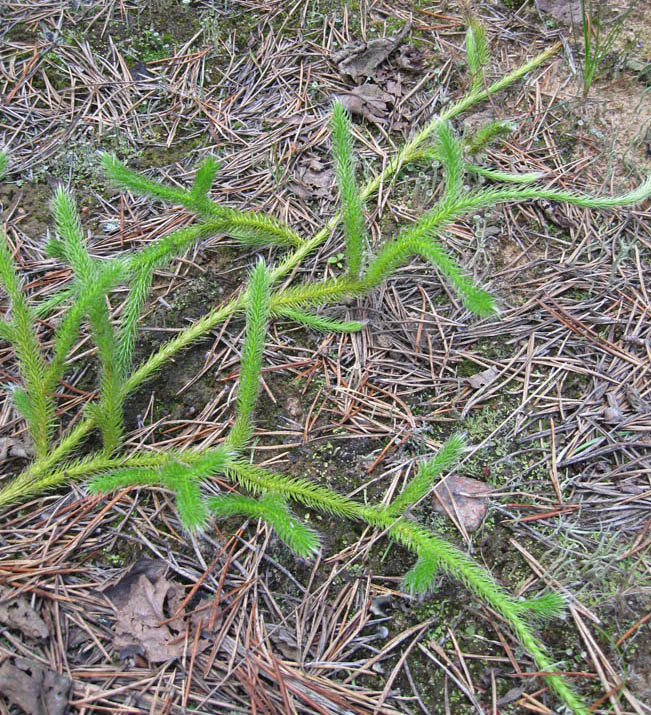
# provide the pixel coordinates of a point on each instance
(181, 473)
(257, 316)
(450, 153)
(204, 178)
(487, 133)
(418, 486)
(36, 402)
(474, 144)
(420, 577)
(477, 54)
(190, 504)
(141, 268)
(545, 607)
(67, 332)
(505, 176)
(184, 473)
(419, 240)
(176, 476)
(352, 210)
(247, 226)
(4, 164)
(319, 322)
(259, 480)
(71, 247)
(272, 509)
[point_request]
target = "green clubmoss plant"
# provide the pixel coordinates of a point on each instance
(268, 494)
(477, 54)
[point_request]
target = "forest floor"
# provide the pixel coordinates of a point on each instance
(105, 604)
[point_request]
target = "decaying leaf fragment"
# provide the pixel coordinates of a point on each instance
(17, 613)
(369, 101)
(146, 602)
(377, 98)
(463, 499)
(362, 59)
(484, 378)
(12, 448)
(35, 689)
(313, 179)
(567, 12)
(613, 413)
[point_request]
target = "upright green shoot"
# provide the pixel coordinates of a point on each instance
(477, 54)
(204, 178)
(352, 210)
(68, 330)
(35, 402)
(71, 247)
(4, 164)
(257, 316)
(428, 471)
(450, 153)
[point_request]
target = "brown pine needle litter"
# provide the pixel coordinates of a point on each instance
(559, 418)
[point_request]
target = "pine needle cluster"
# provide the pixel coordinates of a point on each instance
(268, 494)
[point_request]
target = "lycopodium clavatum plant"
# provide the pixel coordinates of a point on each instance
(262, 493)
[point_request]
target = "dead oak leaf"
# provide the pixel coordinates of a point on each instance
(464, 499)
(566, 12)
(146, 603)
(314, 180)
(410, 58)
(390, 82)
(139, 628)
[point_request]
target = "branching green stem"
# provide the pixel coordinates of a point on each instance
(39, 474)
(425, 544)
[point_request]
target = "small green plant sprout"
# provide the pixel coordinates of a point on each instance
(352, 212)
(337, 260)
(267, 495)
(596, 44)
(477, 53)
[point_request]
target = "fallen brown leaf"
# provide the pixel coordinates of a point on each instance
(481, 379)
(17, 613)
(146, 602)
(613, 413)
(464, 498)
(12, 448)
(314, 180)
(410, 58)
(567, 12)
(37, 690)
(362, 59)
(369, 101)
